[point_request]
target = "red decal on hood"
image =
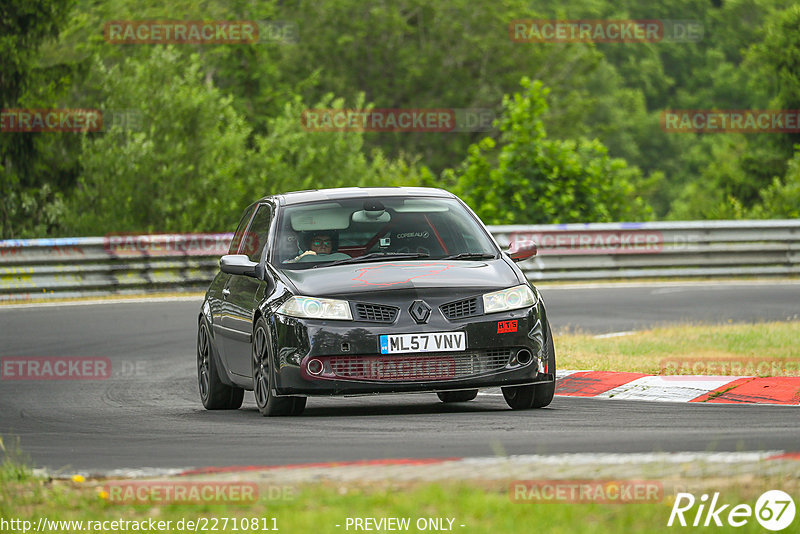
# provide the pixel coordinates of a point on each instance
(386, 274)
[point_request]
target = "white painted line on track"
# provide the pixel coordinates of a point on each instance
(142, 300)
(618, 458)
(144, 472)
(492, 467)
(696, 284)
(676, 388)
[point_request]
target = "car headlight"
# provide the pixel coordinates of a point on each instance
(314, 308)
(513, 298)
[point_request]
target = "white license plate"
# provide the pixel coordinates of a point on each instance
(431, 342)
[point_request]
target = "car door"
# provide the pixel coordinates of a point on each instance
(243, 294)
(218, 292)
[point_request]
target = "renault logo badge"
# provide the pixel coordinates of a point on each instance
(420, 311)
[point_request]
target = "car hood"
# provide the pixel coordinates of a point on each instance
(385, 276)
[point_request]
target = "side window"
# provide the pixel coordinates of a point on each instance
(237, 237)
(256, 236)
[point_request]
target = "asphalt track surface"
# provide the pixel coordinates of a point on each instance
(148, 414)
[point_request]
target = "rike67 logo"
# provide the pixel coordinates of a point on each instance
(774, 510)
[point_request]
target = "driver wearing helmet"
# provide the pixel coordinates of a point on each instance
(321, 243)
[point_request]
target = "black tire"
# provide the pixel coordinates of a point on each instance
(543, 394)
(458, 396)
(299, 405)
(268, 404)
(213, 393)
(537, 395)
(519, 397)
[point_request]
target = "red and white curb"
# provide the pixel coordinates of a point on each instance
(680, 388)
(478, 467)
(777, 390)
(662, 465)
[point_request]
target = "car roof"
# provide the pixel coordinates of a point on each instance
(312, 195)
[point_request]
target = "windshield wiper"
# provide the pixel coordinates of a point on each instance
(470, 256)
(377, 256)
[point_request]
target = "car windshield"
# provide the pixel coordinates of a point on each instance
(321, 234)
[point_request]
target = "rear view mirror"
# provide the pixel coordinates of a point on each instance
(521, 250)
(365, 216)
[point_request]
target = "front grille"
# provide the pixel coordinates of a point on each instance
(460, 308)
(417, 367)
(376, 313)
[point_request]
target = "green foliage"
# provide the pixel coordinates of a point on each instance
(778, 55)
(782, 197)
(455, 54)
(27, 183)
(220, 124)
(179, 169)
(292, 157)
(24, 24)
(189, 165)
(15, 464)
(528, 178)
(735, 172)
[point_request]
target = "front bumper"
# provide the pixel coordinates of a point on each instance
(347, 358)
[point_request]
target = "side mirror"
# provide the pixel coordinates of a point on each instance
(521, 250)
(239, 264)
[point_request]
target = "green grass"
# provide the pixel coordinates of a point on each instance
(14, 466)
(481, 507)
(646, 351)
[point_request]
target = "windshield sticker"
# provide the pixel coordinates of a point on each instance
(411, 235)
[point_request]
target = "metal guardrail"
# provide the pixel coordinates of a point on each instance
(32, 269)
(118, 264)
(659, 249)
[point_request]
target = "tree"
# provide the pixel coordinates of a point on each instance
(455, 54)
(192, 164)
(527, 178)
(781, 199)
(291, 157)
(24, 191)
(181, 165)
(735, 173)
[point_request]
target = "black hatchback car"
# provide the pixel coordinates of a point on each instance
(359, 291)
